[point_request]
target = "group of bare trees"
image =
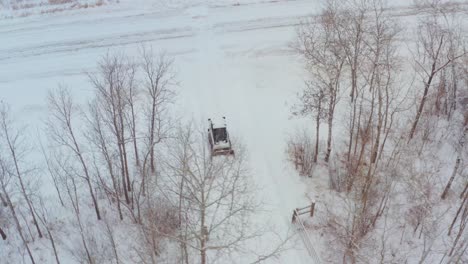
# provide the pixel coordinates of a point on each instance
(100, 154)
(107, 148)
(353, 56)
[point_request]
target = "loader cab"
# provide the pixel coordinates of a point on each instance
(219, 134)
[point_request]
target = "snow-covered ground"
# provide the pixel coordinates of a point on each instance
(232, 57)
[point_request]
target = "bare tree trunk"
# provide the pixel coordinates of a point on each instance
(52, 173)
(317, 129)
(28, 228)
(93, 197)
(122, 143)
(379, 127)
(464, 190)
(74, 202)
(11, 142)
(99, 140)
(133, 119)
(463, 222)
(4, 203)
(422, 103)
(449, 184)
(203, 231)
(351, 129)
(151, 139)
(18, 225)
(62, 104)
(329, 139)
(462, 253)
(111, 238)
(182, 237)
(123, 170)
(42, 217)
(432, 44)
(158, 79)
(331, 113)
(52, 241)
(464, 203)
(387, 123)
(453, 96)
(2, 234)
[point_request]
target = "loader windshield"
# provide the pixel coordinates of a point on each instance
(220, 134)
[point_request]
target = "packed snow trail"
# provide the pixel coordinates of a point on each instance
(226, 86)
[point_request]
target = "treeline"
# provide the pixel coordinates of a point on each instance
(398, 101)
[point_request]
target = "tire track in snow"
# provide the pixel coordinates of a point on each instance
(239, 26)
(149, 36)
(261, 131)
(104, 42)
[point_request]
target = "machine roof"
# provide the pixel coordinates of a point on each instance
(218, 122)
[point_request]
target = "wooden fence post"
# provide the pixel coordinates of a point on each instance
(294, 215)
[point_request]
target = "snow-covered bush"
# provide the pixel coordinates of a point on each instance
(301, 152)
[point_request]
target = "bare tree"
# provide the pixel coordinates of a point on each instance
(300, 151)
(116, 77)
(435, 51)
(112, 240)
(215, 195)
(62, 131)
(449, 183)
(12, 139)
(313, 101)
(53, 173)
(101, 140)
(4, 203)
(5, 177)
(158, 81)
(462, 215)
(365, 35)
(317, 42)
(70, 184)
(42, 215)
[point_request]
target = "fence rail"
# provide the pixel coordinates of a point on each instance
(306, 239)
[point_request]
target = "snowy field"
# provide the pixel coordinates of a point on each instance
(233, 59)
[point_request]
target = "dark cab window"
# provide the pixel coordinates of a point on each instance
(219, 134)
